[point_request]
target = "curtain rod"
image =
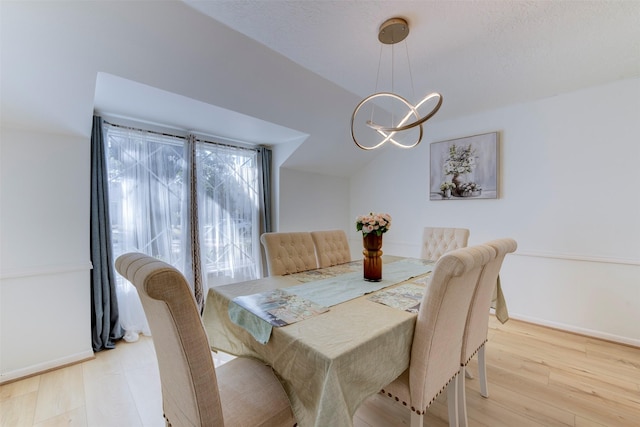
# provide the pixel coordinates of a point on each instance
(142, 130)
(222, 144)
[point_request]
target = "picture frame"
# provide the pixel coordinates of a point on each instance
(464, 168)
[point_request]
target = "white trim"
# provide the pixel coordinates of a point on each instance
(46, 366)
(578, 330)
(575, 257)
(44, 271)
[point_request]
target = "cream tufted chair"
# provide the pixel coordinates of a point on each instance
(437, 338)
(242, 392)
(288, 253)
(438, 240)
(332, 247)
(475, 334)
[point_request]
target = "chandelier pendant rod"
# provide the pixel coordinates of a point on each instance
(413, 89)
(373, 108)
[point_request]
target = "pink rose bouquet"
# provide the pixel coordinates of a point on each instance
(373, 223)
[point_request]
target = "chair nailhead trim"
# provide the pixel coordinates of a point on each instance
(474, 353)
(428, 404)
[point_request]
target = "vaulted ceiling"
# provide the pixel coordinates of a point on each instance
(478, 54)
(291, 72)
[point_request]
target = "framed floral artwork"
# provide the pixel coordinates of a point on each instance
(464, 168)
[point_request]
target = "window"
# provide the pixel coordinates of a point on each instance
(153, 211)
(228, 211)
(146, 186)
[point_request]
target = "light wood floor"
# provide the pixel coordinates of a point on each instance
(537, 377)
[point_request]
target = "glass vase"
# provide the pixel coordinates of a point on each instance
(372, 262)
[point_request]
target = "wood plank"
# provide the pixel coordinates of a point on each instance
(108, 398)
(597, 382)
(144, 384)
(530, 407)
(73, 418)
(618, 354)
(523, 364)
(562, 397)
(482, 411)
(19, 410)
(60, 391)
(19, 388)
(623, 408)
(584, 422)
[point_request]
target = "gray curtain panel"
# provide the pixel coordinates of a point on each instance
(264, 169)
(105, 325)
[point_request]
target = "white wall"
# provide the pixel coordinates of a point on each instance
(311, 201)
(44, 251)
(569, 195)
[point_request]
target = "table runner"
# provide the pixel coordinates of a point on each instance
(246, 311)
(331, 291)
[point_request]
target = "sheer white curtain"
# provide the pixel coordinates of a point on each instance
(228, 213)
(146, 175)
(151, 206)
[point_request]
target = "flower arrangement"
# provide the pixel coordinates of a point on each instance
(461, 160)
(373, 223)
(447, 185)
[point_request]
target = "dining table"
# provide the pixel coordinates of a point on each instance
(332, 338)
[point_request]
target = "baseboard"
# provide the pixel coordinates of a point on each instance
(577, 330)
(41, 368)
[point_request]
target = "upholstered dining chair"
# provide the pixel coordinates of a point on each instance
(332, 247)
(477, 326)
(241, 392)
(439, 240)
(438, 333)
(288, 253)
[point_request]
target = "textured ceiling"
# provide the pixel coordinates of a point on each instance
(478, 54)
(291, 72)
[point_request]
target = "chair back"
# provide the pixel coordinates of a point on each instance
(477, 327)
(289, 253)
(439, 240)
(437, 339)
(190, 395)
(332, 247)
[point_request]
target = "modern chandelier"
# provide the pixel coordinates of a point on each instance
(393, 31)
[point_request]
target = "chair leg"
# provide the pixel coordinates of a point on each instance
(482, 373)
(452, 401)
(416, 420)
(468, 374)
(462, 401)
